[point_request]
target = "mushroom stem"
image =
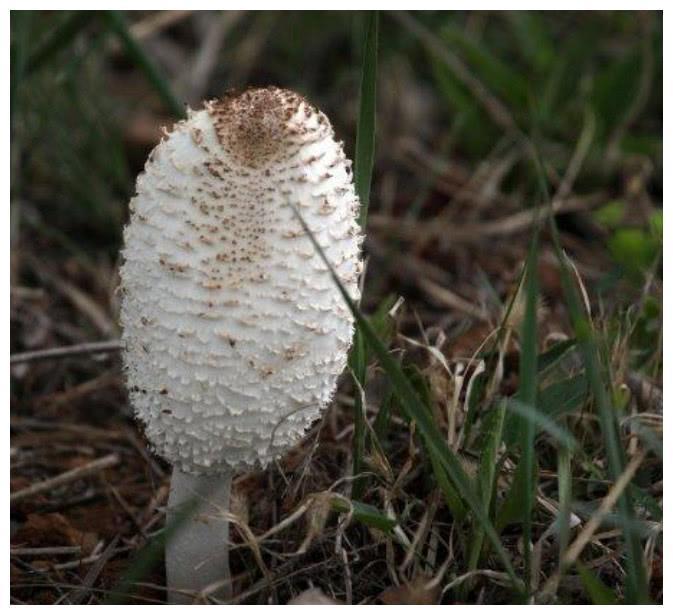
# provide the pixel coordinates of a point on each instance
(197, 549)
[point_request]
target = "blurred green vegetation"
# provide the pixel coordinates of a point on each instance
(550, 72)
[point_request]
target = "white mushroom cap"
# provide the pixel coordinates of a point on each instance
(234, 332)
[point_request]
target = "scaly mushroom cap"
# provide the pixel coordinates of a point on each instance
(234, 332)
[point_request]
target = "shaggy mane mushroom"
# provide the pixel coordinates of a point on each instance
(234, 334)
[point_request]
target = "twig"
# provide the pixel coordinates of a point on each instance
(79, 595)
(32, 551)
(448, 298)
(104, 592)
(83, 430)
(648, 396)
(65, 351)
(156, 22)
(494, 575)
(206, 58)
(468, 233)
(577, 160)
(107, 380)
(93, 312)
(67, 477)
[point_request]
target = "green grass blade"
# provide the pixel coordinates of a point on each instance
(487, 477)
(635, 578)
(364, 165)
(554, 354)
(139, 57)
(563, 396)
(364, 513)
(358, 365)
(511, 510)
(382, 421)
(597, 590)
(532, 36)
(537, 420)
(451, 497)
(499, 76)
(528, 395)
(411, 403)
(420, 384)
(59, 38)
(150, 555)
(564, 482)
(366, 129)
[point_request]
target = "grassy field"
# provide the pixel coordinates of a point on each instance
(497, 438)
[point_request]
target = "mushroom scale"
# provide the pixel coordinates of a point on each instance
(234, 332)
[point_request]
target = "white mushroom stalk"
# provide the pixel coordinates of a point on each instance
(234, 333)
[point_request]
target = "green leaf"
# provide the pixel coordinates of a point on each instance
(657, 225)
(611, 214)
(381, 321)
(649, 503)
(364, 513)
(486, 479)
(549, 358)
(474, 402)
(537, 420)
(599, 593)
(633, 248)
(475, 128)
(382, 420)
(563, 397)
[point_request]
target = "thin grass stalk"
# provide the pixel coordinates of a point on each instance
(364, 165)
(58, 39)
(528, 395)
(366, 127)
(141, 59)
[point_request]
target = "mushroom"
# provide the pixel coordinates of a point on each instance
(234, 333)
